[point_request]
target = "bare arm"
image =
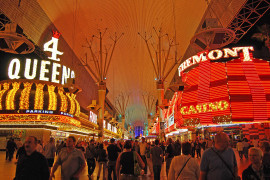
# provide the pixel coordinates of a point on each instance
(140, 161)
(203, 175)
(55, 166)
(117, 168)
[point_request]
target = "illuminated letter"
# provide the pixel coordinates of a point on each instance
(55, 72)
(27, 69)
(200, 58)
(17, 64)
(43, 70)
(213, 106)
(55, 52)
(211, 54)
(230, 52)
(199, 108)
(246, 52)
(205, 107)
(72, 74)
(192, 110)
(183, 109)
(180, 69)
(225, 105)
(65, 74)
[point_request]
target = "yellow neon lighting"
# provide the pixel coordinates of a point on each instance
(6, 87)
(64, 104)
(52, 98)
(72, 104)
(11, 95)
(78, 110)
(24, 99)
(39, 96)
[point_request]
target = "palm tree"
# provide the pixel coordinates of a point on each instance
(263, 35)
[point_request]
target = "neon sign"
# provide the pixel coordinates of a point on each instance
(43, 70)
(205, 107)
(215, 55)
(93, 117)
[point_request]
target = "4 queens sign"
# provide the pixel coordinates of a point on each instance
(30, 67)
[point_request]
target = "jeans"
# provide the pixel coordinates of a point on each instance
(240, 154)
(157, 170)
(168, 164)
(104, 169)
(111, 169)
(91, 163)
(145, 162)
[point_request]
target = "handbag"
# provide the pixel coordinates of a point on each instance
(234, 177)
(183, 168)
(137, 168)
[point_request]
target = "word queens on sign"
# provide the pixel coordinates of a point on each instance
(42, 70)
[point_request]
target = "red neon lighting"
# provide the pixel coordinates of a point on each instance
(244, 84)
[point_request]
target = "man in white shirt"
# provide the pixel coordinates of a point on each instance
(184, 166)
(143, 146)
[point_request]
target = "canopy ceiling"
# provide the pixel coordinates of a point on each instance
(131, 70)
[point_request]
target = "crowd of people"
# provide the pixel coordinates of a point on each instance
(129, 159)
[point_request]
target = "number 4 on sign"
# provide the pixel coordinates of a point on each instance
(53, 50)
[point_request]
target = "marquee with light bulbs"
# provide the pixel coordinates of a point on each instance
(31, 90)
(225, 86)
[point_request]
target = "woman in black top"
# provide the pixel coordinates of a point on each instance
(126, 161)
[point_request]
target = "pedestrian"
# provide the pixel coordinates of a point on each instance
(49, 152)
(169, 154)
(177, 146)
(240, 148)
(136, 147)
(193, 148)
(142, 148)
(156, 155)
(125, 163)
(39, 147)
(113, 151)
(19, 143)
(72, 161)
(246, 147)
(80, 147)
(203, 145)
(198, 148)
(20, 152)
(102, 160)
(184, 166)
(10, 148)
(219, 162)
(265, 147)
(59, 148)
(32, 165)
(90, 154)
(256, 170)
(148, 159)
(209, 143)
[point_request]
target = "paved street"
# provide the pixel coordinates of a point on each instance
(7, 169)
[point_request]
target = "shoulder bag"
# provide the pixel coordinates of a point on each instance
(234, 177)
(137, 168)
(183, 168)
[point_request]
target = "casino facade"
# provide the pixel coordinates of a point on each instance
(228, 90)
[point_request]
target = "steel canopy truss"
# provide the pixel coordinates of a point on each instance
(250, 13)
